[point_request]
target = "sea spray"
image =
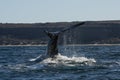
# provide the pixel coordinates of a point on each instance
(68, 60)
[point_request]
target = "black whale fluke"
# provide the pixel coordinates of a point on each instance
(52, 49)
(74, 26)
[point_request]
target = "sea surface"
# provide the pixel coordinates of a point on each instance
(76, 62)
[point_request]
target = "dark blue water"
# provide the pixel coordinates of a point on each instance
(74, 63)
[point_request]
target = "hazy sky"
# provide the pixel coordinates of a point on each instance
(27, 11)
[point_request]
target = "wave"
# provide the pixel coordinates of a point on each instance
(60, 61)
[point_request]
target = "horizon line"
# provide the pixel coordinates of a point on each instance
(54, 21)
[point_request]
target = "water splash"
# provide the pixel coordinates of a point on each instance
(60, 59)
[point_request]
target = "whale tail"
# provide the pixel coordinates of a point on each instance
(51, 34)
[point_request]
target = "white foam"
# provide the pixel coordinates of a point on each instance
(60, 59)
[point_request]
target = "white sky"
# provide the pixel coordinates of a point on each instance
(32, 11)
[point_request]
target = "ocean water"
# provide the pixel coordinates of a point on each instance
(87, 62)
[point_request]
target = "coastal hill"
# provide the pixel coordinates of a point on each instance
(93, 32)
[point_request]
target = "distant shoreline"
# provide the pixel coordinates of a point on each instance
(92, 32)
(68, 45)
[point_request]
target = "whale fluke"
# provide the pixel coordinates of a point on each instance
(52, 44)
